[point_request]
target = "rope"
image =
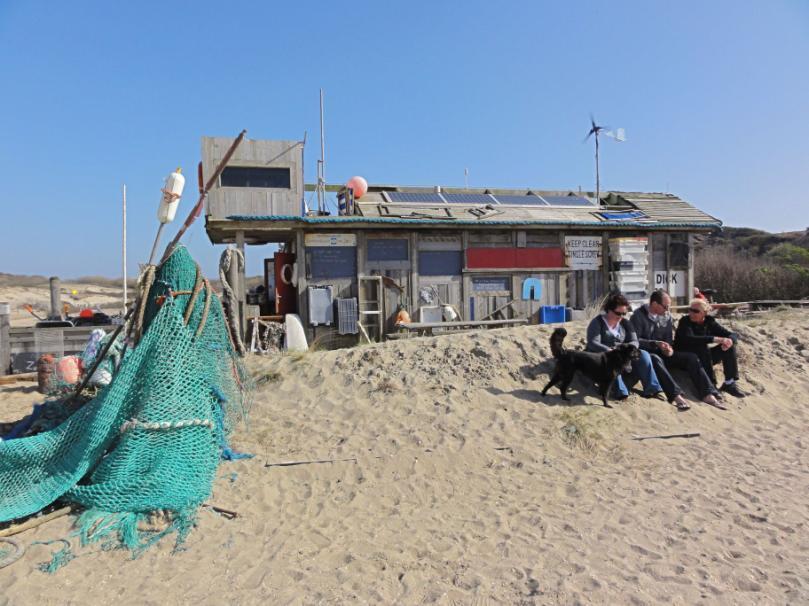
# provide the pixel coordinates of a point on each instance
(144, 285)
(162, 425)
(208, 296)
(198, 284)
(229, 299)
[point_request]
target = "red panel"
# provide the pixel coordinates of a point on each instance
(507, 258)
(479, 258)
(286, 294)
(540, 257)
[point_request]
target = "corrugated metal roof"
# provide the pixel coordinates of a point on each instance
(356, 219)
(658, 208)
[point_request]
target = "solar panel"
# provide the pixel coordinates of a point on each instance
(468, 198)
(521, 200)
(567, 201)
(397, 196)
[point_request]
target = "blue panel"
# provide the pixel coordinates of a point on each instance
(397, 196)
(521, 200)
(468, 198)
(393, 249)
(491, 284)
(532, 289)
(567, 201)
(440, 262)
(623, 216)
(324, 262)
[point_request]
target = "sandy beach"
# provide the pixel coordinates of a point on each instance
(452, 481)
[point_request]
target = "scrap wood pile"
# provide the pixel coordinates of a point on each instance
(152, 439)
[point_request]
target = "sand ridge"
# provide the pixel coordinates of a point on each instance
(463, 485)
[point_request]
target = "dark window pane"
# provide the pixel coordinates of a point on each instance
(679, 254)
(255, 176)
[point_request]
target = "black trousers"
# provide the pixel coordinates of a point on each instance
(667, 382)
(690, 362)
(729, 363)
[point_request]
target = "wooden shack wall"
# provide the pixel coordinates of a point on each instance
(560, 285)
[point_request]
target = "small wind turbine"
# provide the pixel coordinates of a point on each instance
(617, 134)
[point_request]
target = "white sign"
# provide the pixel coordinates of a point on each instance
(674, 282)
(330, 240)
(583, 252)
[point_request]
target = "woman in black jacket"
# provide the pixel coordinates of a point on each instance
(696, 331)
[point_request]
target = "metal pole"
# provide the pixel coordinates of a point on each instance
(321, 200)
(5, 339)
(598, 180)
(156, 242)
(123, 246)
(56, 299)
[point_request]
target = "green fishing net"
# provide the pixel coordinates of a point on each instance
(152, 439)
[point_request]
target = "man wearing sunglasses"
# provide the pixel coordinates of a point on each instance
(654, 327)
(611, 328)
(696, 332)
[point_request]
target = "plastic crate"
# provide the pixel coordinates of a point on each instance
(551, 314)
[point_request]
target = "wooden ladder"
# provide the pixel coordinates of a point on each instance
(371, 307)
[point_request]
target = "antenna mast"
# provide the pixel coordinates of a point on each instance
(321, 164)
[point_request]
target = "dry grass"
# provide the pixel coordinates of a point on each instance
(740, 277)
(386, 385)
(578, 430)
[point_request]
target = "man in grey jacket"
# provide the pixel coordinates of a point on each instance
(654, 327)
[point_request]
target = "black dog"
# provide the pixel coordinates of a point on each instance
(602, 368)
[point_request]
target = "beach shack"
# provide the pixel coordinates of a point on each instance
(442, 253)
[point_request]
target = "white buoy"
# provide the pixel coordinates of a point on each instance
(169, 201)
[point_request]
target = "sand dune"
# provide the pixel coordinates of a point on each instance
(455, 482)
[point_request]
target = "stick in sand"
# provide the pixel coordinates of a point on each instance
(34, 522)
(667, 437)
(293, 463)
(228, 513)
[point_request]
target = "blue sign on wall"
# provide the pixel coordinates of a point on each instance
(440, 262)
(324, 262)
(387, 249)
(491, 284)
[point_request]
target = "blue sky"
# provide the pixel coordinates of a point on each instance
(714, 97)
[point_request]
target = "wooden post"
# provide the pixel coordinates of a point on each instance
(605, 260)
(668, 267)
(240, 287)
(5, 339)
(414, 274)
(56, 298)
(689, 286)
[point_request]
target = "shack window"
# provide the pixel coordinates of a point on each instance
(255, 176)
(679, 250)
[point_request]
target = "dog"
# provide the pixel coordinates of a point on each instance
(602, 368)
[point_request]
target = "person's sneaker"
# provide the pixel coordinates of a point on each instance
(732, 389)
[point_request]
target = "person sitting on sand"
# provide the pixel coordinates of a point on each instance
(611, 328)
(696, 331)
(655, 330)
